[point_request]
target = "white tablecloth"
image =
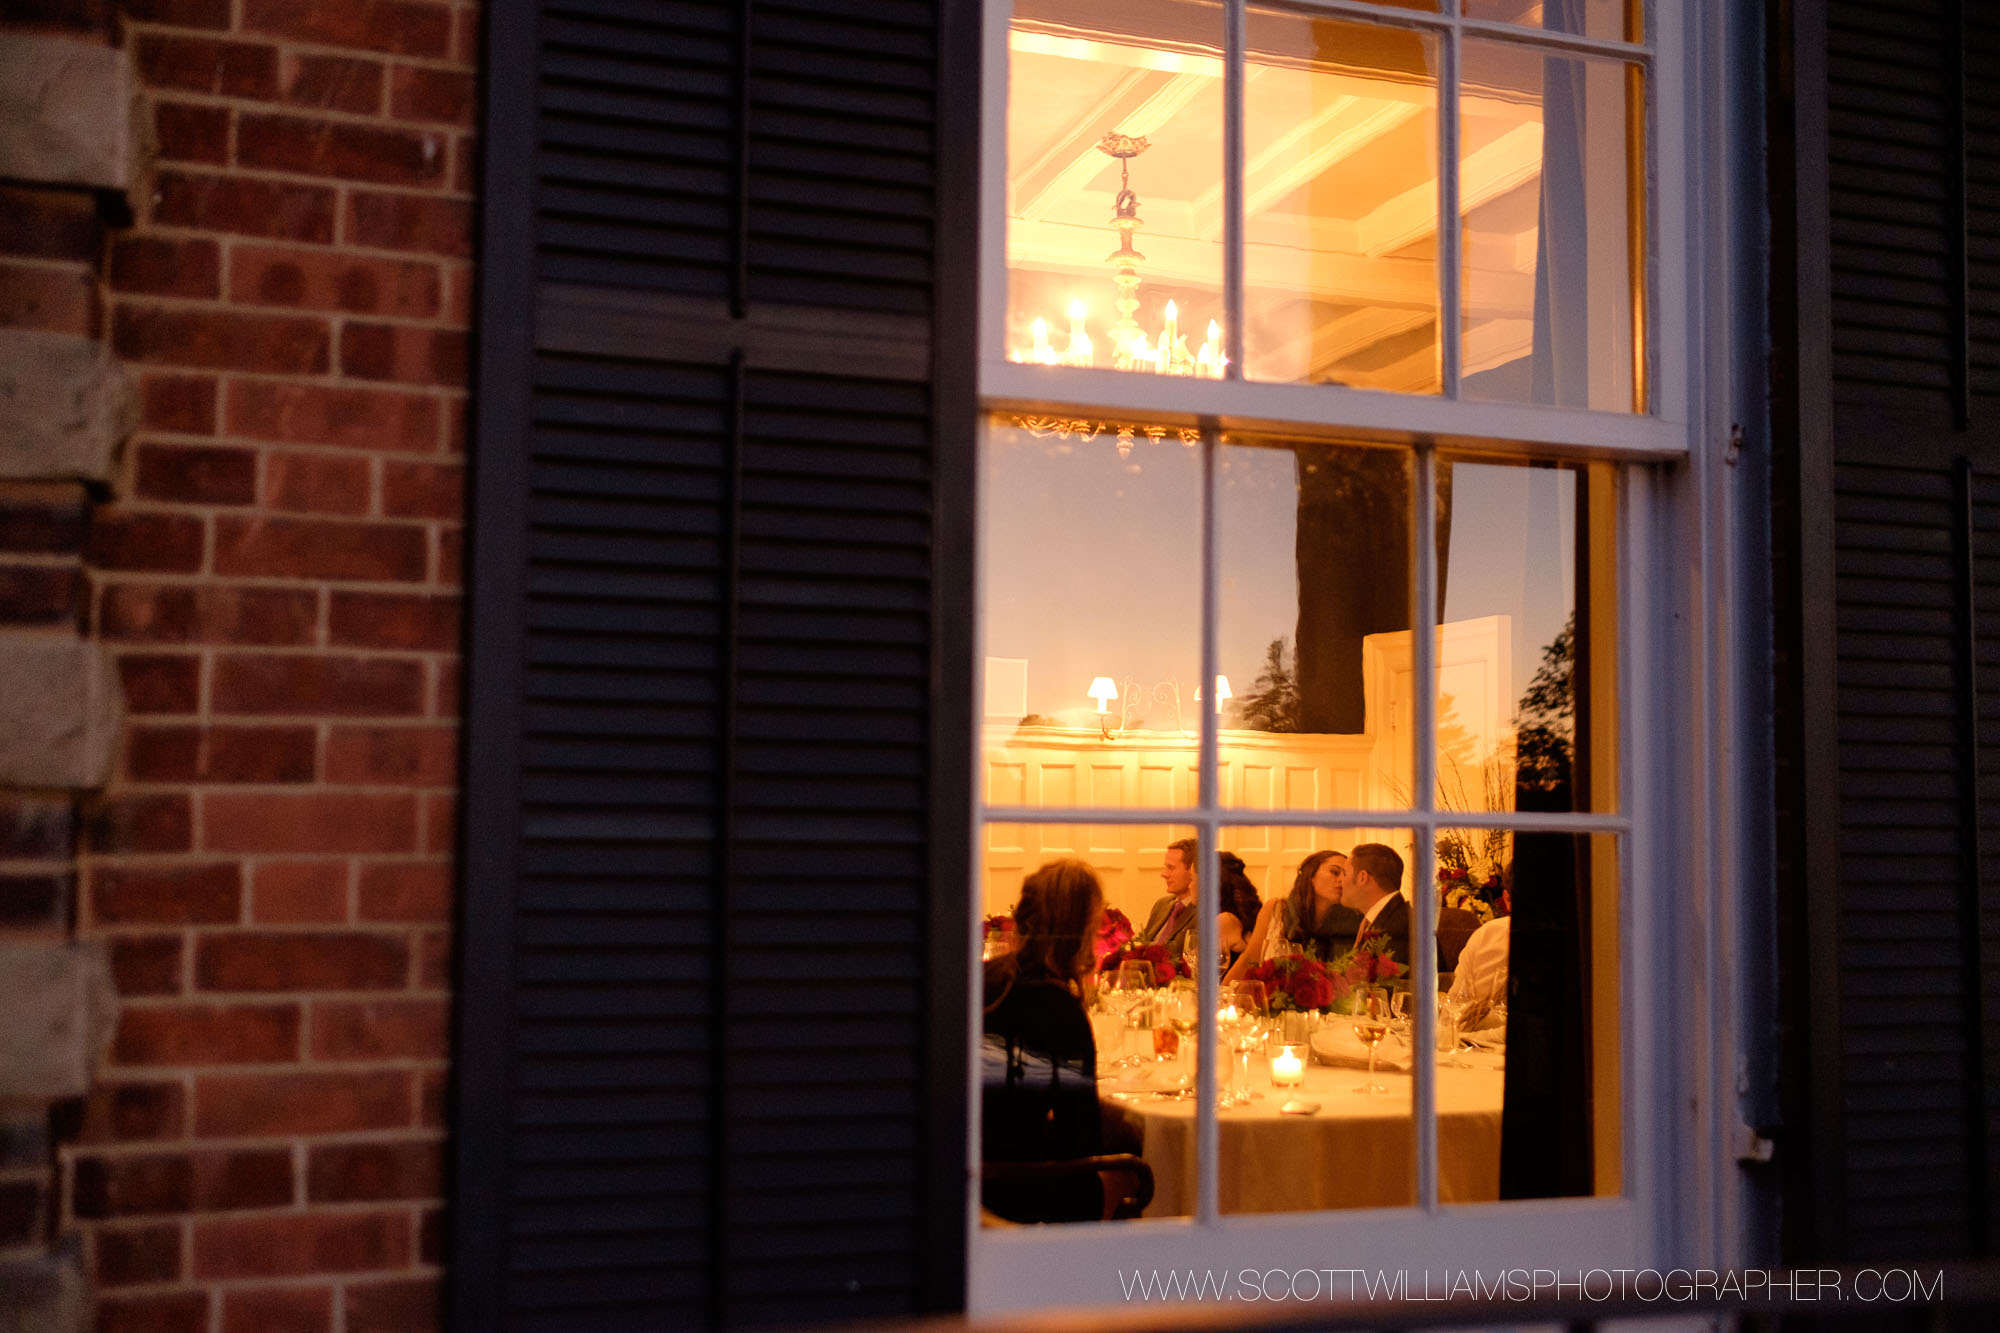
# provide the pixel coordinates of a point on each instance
(1359, 1151)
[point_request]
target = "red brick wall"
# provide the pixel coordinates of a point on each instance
(280, 578)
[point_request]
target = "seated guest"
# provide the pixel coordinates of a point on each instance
(1310, 919)
(1375, 889)
(1173, 914)
(1241, 905)
(1479, 986)
(1042, 1104)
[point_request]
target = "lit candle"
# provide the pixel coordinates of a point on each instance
(1044, 353)
(1209, 362)
(1172, 331)
(1287, 1070)
(1079, 342)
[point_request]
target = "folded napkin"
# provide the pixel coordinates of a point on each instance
(1335, 1044)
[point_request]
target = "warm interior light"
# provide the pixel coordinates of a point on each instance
(1221, 691)
(1104, 691)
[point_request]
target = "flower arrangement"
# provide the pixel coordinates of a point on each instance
(1164, 965)
(1366, 964)
(1297, 982)
(1458, 888)
(1114, 934)
(1000, 923)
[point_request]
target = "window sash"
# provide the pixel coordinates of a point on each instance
(1658, 431)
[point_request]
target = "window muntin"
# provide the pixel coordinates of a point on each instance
(1612, 20)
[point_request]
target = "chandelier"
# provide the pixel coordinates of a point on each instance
(1131, 348)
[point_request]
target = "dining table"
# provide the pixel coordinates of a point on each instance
(1354, 1150)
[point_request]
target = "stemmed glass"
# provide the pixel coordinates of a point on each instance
(1183, 1015)
(1130, 998)
(1371, 1024)
(1449, 1014)
(1245, 1015)
(1401, 1024)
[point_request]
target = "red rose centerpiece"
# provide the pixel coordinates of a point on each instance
(1113, 935)
(1297, 982)
(1156, 954)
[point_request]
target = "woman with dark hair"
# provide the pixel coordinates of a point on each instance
(1240, 903)
(1045, 1106)
(1311, 918)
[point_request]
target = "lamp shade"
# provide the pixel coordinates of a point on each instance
(1104, 690)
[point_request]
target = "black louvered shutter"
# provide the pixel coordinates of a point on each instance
(705, 1076)
(1897, 438)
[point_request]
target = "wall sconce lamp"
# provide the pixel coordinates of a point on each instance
(1104, 690)
(1167, 693)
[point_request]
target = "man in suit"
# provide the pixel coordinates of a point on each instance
(1173, 915)
(1374, 888)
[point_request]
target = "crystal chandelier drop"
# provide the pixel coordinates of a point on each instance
(1131, 348)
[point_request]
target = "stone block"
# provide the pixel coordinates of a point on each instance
(57, 1009)
(64, 710)
(66, 404)
(45, 1294)
(70, 114)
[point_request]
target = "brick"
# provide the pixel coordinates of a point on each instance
(136, 539)
(48, 299)
(456, 424)
(277, 1310)
(36, 828)
(333, 83)
(146, 964)
(154, 1312)
(183, 404)
(392, 756)
(277, 344)
(317, 483)
(381, 1030)
(278, 210)
(434, 957)
(129, 1112)
(135, 1256)
(440, 824)
(163, 823)
(433, 1100)
(465, 165)
(160, 682)
(41, 527)
(423, 490)
(41, 594)
(221, 754)
(299, 893)
(188, 133)
(404, 1305)
(367, 1172)
(450, 558)
(197, 474)
(35, 901)
(240, 1034)
(450, 680)
(394, 26)
(297, 1244)
(179, 13)
(418, 92)
(49, 224)
(420, 891)
(205, 65)
(320, 822)
(391, 620)
(304, 548)
(403, 353)
(424, 223)
(362, 418)
(172, 895)
(378, 155)
(465, 49)
(292, 685)
(179, 613)
(134, 1186)
(322, 280)
(318, 1102)
(458, 295)
(301, 960)
(156, 266)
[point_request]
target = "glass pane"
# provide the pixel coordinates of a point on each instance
(1090, 614)
(1340, 204)
(1612, 20)
(1080, 1048)
(1114, 185)
(1549, 170)
(1316, 606)
(1332, 928)
(1529, 1077)
(1527, 651)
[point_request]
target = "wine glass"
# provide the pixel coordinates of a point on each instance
(1401, 1024)
(1183, 1014)
(1449, 1013)
(1371, 1024)
(1245, 1014)
(1130, 997)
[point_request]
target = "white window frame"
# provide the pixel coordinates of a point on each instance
(1676, 1206)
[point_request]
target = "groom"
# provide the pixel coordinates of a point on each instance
(1374, 888)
